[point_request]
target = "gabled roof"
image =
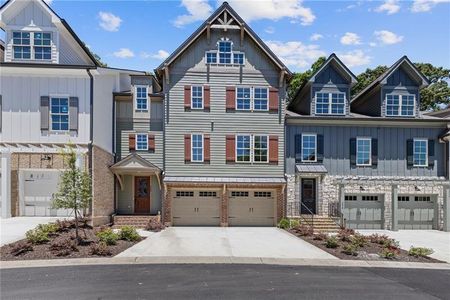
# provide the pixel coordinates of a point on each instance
(134, 162)
(443, 113)
(56, 17)
(403, 61)
(224, 7)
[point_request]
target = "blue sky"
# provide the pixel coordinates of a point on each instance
(139, 34)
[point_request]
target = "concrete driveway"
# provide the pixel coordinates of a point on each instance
(13, 229)
(267, 242)
(439, 241)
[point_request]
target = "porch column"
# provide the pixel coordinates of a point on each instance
(6, 184)
(394, 206)
(342, 203)
(446, 208)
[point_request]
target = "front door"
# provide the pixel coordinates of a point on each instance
(142, 195)
(308, 187)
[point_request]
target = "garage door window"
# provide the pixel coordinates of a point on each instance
(403, 198)
(422, 199)
(185, 194)
(350, 198)
(207, 194)
(263, 194)
(239, 194)
(369, 198)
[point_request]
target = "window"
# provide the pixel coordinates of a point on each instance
(422, 198)
(207, 194)
(141, 142)
(260, 148)
(420, 153)
(403, 198)
(225, 52)
(309, 147)
(197, 97)
(350, 198)
(197, 148)
(262, 194)
(238, 58)
(400, 105)
(243, 148)
(363, 151)
(261, 98)
(21, 45)
(42, 46)
(185, 194)
(141, 98)
(239, 194)
(330, 103)
(27, 45)
(369, 198)
(211, 57)
(59, 114)
(243, 98)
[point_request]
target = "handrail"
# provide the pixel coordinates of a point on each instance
(309, 211)
(332, 207)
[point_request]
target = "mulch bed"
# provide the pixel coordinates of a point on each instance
(43, 251)
(368, 252)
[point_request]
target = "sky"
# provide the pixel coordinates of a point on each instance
(140, 34)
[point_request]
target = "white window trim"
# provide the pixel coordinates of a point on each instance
(426, 151)
(32, 45)
(236, 98)
(135, 99)
(330, 104)
(315, 138)
(252, 157)
(192, 97)
(146, 141)
(236, 148)
(252, 96)
(400, 101)
(50, 112)
(192, 148)
(370, 151)
(216, 52)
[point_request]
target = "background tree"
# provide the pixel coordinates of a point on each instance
(367, 77)
(74, 189)
(298, 79)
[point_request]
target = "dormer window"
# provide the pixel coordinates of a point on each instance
(330, 103)
(21, 45)
(400, 105)
(32, 45)
(42, 46)
(225, 54)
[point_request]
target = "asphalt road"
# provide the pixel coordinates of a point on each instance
(222, 282)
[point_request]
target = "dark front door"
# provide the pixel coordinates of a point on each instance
(308, 196)
(142, 195)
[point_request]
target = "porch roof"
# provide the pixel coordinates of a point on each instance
(249, 180)
(134, 164)
(311, 168)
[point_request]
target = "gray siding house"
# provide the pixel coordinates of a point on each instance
(375, 162)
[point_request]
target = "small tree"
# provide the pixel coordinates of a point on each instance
(74, 190)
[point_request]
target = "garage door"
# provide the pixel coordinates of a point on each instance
(38, 188)
(196, 207)
(364, 211)
(415, 212)
(251, 208)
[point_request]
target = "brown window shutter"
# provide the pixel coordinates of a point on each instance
(230, 148)
(151, 143)
(187, 148)
(206, 97)
(187, 96)
(206, 148)
(231, 98)
(273, 149)
(273, 99)
(132, 142)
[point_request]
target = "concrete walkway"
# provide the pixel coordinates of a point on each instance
(439, 241)
(251, 242)
(13, 229)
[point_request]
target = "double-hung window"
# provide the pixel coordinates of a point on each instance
(59, 113)
(400, 105)
(197, 97)
(252, 98)
(309, 148)
(260, 148)
(225, 52)
(42, 46)
(224, 55)
(141, 142)
(238, 58)
(21, 45)
(197, 148)
(363, 151)
(330, 103)
(243, 148)
(32, 45)
(420, 153)
(141, 98)
(243, 98)
(260, 98)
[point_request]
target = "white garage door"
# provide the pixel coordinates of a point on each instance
(415, 212)
(252, 208)
(37, 188)
(0, 193)
(196, 207)
(364, 211)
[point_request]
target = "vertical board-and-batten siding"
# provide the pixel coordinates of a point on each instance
(392, 155)
(191, 69)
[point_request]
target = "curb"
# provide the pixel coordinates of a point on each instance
(219, 260)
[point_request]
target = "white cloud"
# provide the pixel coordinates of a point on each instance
(198, 10)
(350, 38)
(387, 37)
(109, 22)
(425, 5)
(316, 37)
(355, 58)
(389, 6)
(48, 1)
(296, 54)
(273, 10)
(162, 54)
(124, 53)
(372, 44)
(270, 30)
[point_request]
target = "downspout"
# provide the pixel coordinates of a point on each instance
(91, 130)
(114, 146)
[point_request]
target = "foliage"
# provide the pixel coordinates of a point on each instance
(295, 223)
(391, 244)
(300, 78)
(108, 236)
(388, 253)
(37, 236)
(332, 242)
(346, 234)
(378, 238)
(284, 224)
(100, 249)
(64, 225)
(366, 78)
(350, 249)
(50, 228)
(304, 230)
(129, 233)
(21, 247)
(358, 240)
(63, 247)
(420, 251)
(320, 236)
(154, 225)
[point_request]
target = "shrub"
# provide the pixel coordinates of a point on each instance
(284, 224)
(63, 247)
(331, 242)
(391, 244)
(295, 223)
(358, 240)
(350, 249)
(50, 228)
(108, 236)
(63, 225)
(378, 238)
(37, 236)
(320, 236)
(420, 251)
(304, 230)
(21, 247)
(388, 253)
(154, 225)
(100, 249)
(129, 233)
(345, 234)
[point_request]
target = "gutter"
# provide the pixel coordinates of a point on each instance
(91, 127)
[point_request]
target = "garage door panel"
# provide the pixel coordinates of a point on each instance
(195, 210)
(364, 211)
(252, 208)
(416, 211)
